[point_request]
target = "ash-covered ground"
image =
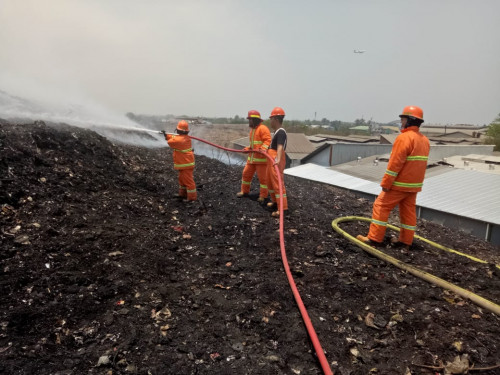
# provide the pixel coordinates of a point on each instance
(103, 271)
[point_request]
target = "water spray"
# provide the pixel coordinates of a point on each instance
(130, 128)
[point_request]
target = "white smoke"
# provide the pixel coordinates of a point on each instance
(117, 128)
(90, 115)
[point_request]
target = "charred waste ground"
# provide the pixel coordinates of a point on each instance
(103, 271)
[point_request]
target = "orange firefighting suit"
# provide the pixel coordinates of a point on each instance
(272, 177)
(260, 138)
(184, 163)
(402, 181)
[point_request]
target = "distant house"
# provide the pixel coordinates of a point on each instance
(353, 138)
(389, 129)
(453, 131)
(333, 153)
(360, 129)
(388, 139)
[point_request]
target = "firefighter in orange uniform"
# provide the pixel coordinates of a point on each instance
(277, 152)
(260, 139)
(183, 160)
(402, 181)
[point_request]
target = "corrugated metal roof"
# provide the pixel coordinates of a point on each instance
(475, 163)
(484, 158)
(314, 138)
(296, 155)
(370, 170)
(389, 137)
(464, 193)
(350, 138)
(297, 143)
(297, 148)
(318, 173)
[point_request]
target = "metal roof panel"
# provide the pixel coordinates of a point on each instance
(466, 193)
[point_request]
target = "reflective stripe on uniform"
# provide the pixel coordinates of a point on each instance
(256, 159)
(246, 182)
(416, 157)
(184, 151)
(184, 165)
(409, 227)
(408, 184)
(391, 173)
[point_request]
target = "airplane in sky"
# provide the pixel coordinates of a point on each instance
(359, 51)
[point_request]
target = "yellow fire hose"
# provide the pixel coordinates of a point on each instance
(483, 302)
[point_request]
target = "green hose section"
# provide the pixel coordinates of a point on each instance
(483, 302)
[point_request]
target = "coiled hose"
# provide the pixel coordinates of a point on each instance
(305, 316)
(483, 302)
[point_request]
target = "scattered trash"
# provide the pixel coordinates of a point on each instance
(161, 315)
(15, 229)
(457, 345)
(397, 318)
(115, 253)
(369, 321)
(22, 240)
(103, 361)
(164, 329)
(355, 352)
(214, 356)
(4, 349)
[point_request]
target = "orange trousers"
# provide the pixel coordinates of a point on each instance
(272, 180)
(249, 172)
(187, 187)
(383, 206)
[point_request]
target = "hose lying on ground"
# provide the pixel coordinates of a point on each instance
(305, 316)
(483, 302)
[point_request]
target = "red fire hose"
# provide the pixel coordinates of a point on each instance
(305, 316)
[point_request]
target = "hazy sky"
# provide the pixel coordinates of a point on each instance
(224, 57)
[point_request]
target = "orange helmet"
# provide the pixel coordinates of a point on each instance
(183, 126)
(254, 114)
(413, 111)
(277, 111)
